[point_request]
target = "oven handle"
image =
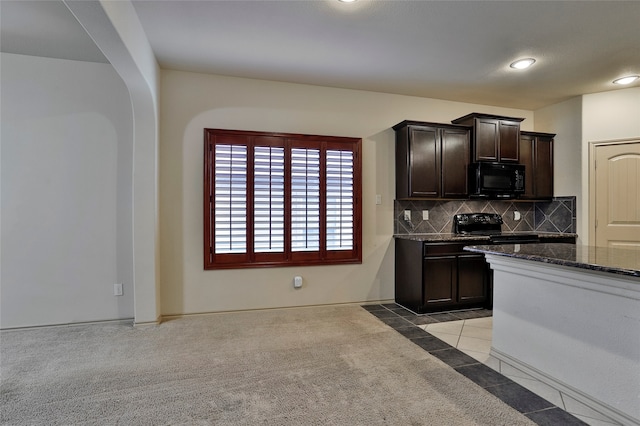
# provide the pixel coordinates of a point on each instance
(524, 240)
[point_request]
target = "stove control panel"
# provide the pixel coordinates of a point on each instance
(477, 222)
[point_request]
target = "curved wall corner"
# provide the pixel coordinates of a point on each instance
(116, 30)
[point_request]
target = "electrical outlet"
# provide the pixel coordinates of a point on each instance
(407, 215)
(297, 282)
(117, 289)
(378, 199)
(516, 215)
(425, 214)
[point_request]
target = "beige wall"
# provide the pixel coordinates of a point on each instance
(66, 173)
(191, 102)
(606, 116)
(578, 122)
(565, 120)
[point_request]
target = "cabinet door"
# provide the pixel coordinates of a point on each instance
(440, 279)
(455, 162)
(527, 160)
(509, 140)
(485, 140)
(536, 154)
(472, 278)
(424, 162)
(543, 185)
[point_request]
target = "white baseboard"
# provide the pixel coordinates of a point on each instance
(558, 385)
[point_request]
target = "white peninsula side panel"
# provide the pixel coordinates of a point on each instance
(576, 329)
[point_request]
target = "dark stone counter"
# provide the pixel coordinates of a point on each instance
(437, 238)
(603, 259)
(475, 238)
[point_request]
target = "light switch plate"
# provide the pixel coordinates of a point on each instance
(407, 215)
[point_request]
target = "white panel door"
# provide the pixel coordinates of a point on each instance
(617, 195)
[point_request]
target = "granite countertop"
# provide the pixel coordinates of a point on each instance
(462, 238)
(441, 237)
(603, 259)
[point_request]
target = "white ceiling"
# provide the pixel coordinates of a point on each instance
(44, 28)
(455, 50)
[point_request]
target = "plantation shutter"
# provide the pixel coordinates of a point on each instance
(305, 199)
(268, 205)
(231, 199)
(271, 199)
(340, 200)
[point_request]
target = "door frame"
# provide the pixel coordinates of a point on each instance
(592, 180)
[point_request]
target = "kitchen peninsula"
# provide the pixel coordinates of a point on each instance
(570, 316)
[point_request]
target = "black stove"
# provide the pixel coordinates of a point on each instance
(489, 224)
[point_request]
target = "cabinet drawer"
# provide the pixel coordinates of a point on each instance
(436, 249)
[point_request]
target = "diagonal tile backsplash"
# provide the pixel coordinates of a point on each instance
(558, 215)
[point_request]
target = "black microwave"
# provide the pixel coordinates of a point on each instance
(496, 180)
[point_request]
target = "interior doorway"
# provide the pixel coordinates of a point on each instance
(614, 193)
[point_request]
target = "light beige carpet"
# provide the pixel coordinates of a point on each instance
(334, 365)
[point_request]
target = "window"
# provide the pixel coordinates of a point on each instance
(276, 199)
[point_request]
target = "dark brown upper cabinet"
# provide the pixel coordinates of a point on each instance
(536, 154)
(432, 160)
(495, 138)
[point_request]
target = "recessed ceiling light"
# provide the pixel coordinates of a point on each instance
(626, 80)
(347, 1)
(522, 63)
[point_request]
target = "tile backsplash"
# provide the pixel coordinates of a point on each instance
(558, 215)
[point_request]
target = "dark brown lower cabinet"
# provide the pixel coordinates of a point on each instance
(432, 277)
(439, 284)
(472, 278)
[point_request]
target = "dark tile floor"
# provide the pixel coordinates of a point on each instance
(531, 405)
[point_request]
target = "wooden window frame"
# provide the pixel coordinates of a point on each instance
(251, 259)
